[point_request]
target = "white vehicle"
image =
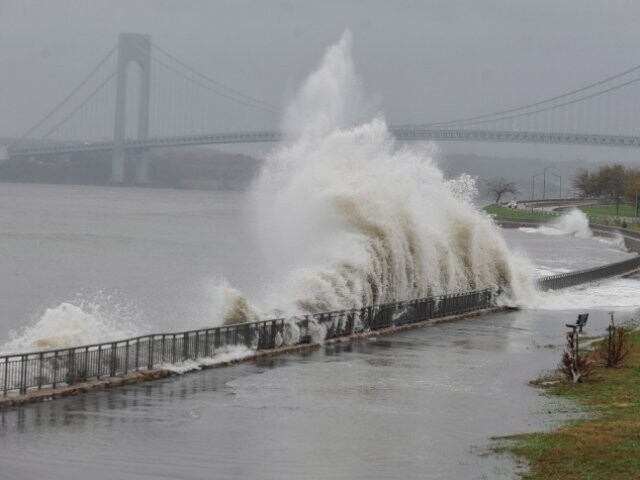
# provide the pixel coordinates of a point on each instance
(512, 204)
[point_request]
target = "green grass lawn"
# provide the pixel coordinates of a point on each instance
(504, 212)
(606, 445)
(521, 214)
(624, 211)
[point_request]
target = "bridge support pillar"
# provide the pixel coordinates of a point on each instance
(142, 167)
(132, 47)
(117, 165)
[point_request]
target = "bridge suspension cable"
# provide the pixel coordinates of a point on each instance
(93, 94)
(219, 89)
(540, 110)
(499, 115)
(58, 107)
(213, 90)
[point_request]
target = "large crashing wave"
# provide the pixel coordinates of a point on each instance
(349, 218)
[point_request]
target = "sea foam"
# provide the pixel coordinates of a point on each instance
(348, 217)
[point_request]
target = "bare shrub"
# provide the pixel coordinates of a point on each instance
(616, 347)
(574, 366)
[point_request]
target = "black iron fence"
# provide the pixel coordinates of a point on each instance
(68, 366)
(570, 279)
(53, 368)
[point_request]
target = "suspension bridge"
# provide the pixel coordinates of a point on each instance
(180, 106)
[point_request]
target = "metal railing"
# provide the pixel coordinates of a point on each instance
(68, 366)
(570, 279)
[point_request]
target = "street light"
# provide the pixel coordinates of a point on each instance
(637, 192)
(533, 185)
(560, 178)
(544, 180)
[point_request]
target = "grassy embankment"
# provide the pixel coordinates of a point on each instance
(504, 212)
(606, 444)
(624, 210)
(596, 214)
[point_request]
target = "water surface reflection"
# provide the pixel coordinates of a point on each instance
(408, 405)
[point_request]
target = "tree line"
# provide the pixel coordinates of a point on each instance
(616, 182)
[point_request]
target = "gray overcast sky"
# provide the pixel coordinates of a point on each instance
(426, 60)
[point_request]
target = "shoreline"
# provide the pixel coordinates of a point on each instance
(35, 395)
(603, 444)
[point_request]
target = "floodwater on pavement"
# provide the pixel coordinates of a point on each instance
(422, 403)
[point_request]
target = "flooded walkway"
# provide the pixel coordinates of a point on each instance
(416, 404)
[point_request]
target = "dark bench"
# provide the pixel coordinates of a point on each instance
(582, 321)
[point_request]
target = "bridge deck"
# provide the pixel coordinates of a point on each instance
(401, 133)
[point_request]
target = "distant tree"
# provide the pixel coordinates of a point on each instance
(633, 187)
(498, 187)
(586, 184)
(613, 181)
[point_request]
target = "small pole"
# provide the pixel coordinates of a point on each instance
(150, 352)
(126, 358)
(611, 329)
(114, 359)
(86, 363)
(577, 359)
(23, 374)
(99, 361)
(137, 353)
(544, 180)
(532, 186)
(40, 365)
(55, 368)
(6, 375)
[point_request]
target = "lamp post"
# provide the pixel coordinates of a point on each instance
(637, 204)
(559, 178)
(533, 185)
(544, 180)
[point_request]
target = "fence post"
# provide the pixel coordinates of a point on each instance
(6, 374)
(185, 346)
(55, 368)
(273, 334)
(99, 372)
(71, 366)
(40, 370)
(86, 363)
(126, 358)
(23, 375)
(137, 353)
(247, 335)
(206, 343)
(114, 359)
(150, 359)
(173, 349)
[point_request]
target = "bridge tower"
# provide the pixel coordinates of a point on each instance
(132, 47)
